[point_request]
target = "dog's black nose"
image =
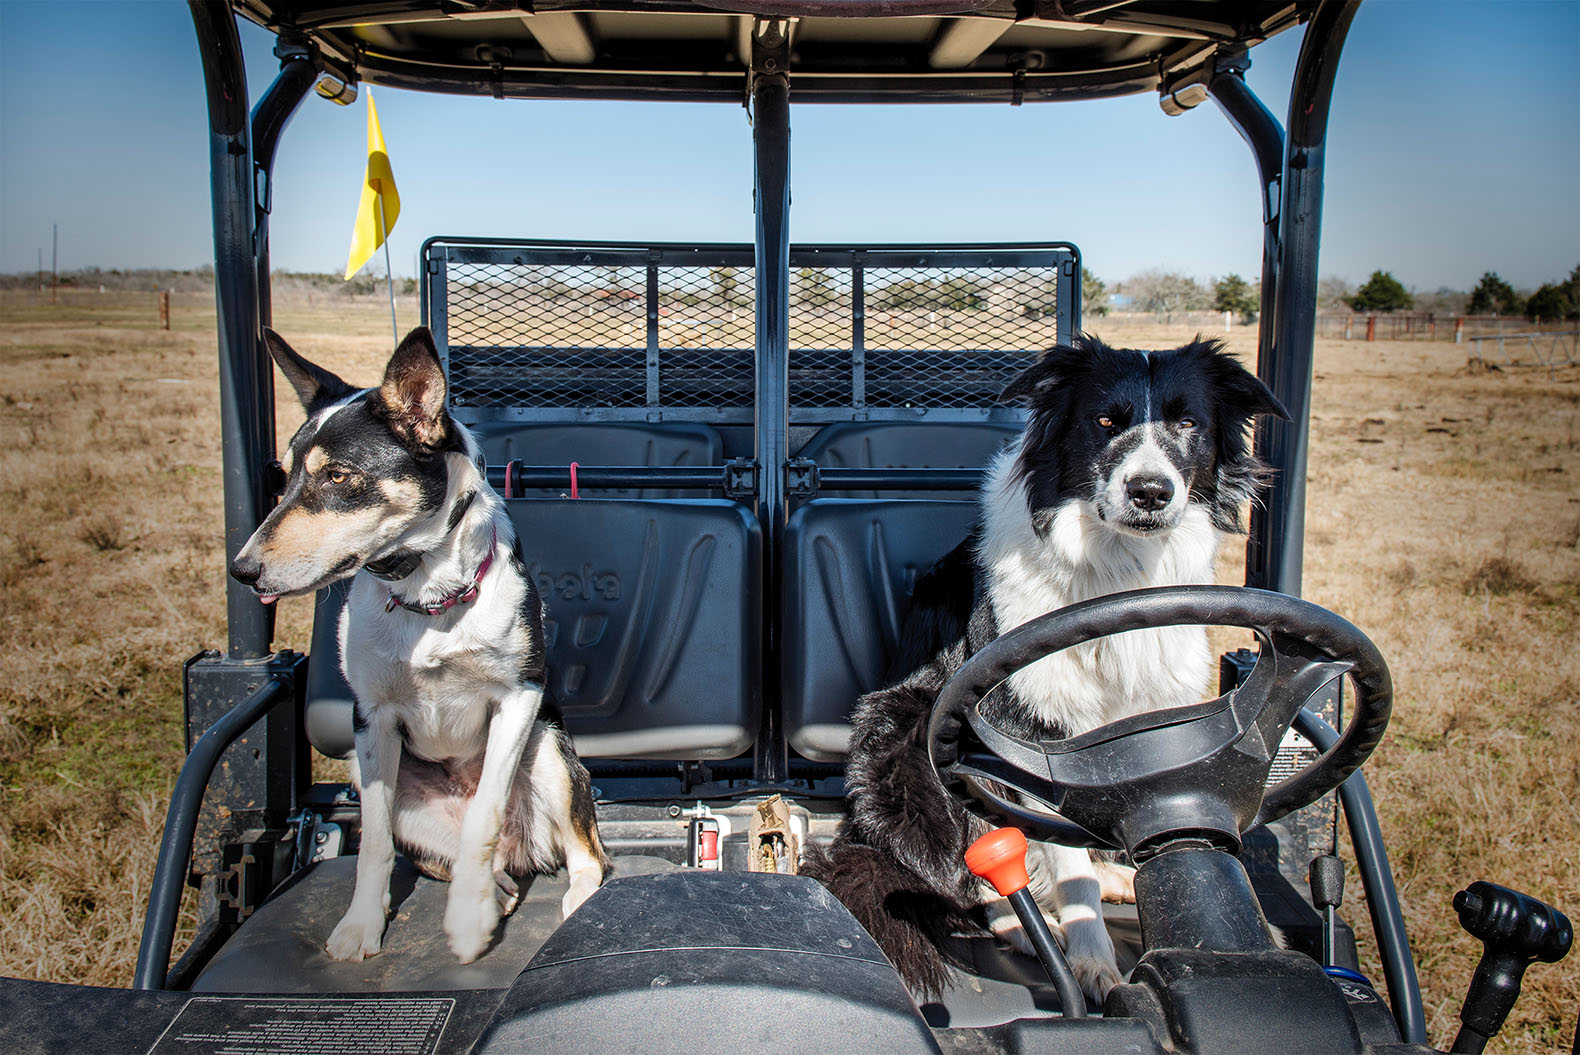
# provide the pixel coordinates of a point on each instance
(1149, 493)
(245, 570)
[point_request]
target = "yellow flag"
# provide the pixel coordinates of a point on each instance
(380, 204)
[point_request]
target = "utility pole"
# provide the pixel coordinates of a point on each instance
(54, 263)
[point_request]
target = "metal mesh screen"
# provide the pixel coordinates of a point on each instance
(954, 336)
(823, 332)
(629, 329)
(707, 333)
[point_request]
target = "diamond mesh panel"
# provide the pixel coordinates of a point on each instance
(955, 336)
(545, 335)
(707, 336)
(610, 331)
(822, 340)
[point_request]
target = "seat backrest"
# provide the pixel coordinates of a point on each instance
(652, 627)
(853, 565)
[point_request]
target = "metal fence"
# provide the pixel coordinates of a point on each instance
(1548, 350)
(1423, 326)
(558, 331)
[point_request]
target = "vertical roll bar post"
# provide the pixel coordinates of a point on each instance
(246, 386)
(1293, 222)
(770, 100)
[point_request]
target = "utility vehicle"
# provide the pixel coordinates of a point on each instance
(732, 462)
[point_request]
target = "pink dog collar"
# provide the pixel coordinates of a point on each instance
(444, 604)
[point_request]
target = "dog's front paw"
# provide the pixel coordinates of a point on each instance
(357, 936)
(470, 918)
(1091, 955)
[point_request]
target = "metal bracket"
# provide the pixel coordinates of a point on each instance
(740, 478)
(249, 870)
(770, 48)
(237, 886)
(1232, 61)
(316, 839)
(801, 478)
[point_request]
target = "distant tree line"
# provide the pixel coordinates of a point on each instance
(1160, 292)
(1551, 301)
(201, 280)
(1492, 295)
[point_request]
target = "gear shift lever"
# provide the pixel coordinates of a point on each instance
(1000, 858)
(1515, 930)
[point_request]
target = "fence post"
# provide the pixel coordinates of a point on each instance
(1459, 329)
(1349, 328)
(1371, 327)
(164, 309)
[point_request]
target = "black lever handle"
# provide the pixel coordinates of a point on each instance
(1515, 930)
(1326, 877)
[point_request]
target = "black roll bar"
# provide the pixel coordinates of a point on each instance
(175, 847)
(274, 111)
(1273, 552)
(246, 385)
(1265, 136)
(770, 101)
(512, 478)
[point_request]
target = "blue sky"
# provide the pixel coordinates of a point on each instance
(1455, 149)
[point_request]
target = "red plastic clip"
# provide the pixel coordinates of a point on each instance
(574, 492)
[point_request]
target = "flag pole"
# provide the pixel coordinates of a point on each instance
(389, 276)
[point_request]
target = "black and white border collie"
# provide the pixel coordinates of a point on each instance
(441, 641)
(1132, 468)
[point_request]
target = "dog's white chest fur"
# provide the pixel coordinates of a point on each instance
(1078, 558)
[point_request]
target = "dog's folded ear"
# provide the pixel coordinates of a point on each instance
(412, 396)
(313, 383)
(1242, 390)
(1055, 367)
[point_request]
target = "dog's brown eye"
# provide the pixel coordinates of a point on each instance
(1187, 423)
(1105, 422)
(338, 476)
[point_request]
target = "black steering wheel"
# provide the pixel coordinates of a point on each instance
(1195, 772)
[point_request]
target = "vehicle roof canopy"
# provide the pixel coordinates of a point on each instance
(1004, 51)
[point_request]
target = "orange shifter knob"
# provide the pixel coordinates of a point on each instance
(1000, 858)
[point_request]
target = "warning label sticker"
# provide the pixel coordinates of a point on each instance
(245, 1025)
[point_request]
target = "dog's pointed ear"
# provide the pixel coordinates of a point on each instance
(1056, 366)
(313, 384)
(413, 393)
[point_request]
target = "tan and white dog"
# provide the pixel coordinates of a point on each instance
(441, 641)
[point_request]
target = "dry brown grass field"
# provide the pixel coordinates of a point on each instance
(1444, 520)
